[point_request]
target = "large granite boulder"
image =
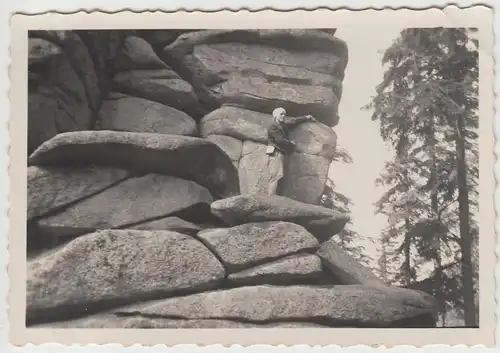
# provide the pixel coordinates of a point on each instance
(50, 188)
(251, 244)
(125, 113)
(144, 153)
(322, 222)
(263, 69)
(353, 305)
(296, 40)
(113, 267)
(133, 201)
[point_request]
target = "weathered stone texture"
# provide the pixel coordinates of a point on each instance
(116, 266)
(249, 244)
(135, 200)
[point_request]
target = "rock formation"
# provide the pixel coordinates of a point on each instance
(147, 176)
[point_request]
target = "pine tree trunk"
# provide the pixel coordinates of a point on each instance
(407, 254)
(436, 217)
(465, 234)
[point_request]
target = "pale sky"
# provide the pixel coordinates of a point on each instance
(357, 133)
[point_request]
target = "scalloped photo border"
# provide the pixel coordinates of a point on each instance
(478, 16)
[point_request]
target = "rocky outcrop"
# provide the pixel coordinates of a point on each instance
(147, 185)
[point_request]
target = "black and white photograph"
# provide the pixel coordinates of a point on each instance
(253, 178)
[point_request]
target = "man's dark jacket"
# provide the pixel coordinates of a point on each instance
(278, 132)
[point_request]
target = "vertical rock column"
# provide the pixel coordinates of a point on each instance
(241, 76)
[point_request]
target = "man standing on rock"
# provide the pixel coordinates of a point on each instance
(279, 144)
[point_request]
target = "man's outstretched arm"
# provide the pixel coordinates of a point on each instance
(294, 121)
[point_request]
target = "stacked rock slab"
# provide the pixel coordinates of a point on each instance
(146, 202)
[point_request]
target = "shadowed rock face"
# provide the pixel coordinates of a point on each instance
(148, 178)
(144, 153)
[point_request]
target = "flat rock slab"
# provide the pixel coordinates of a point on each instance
(141, 115)
(345, 267)
(140, 322)
(132, 201)
(51, 188)
(278, 64)
(162, 86)
(145, 153)
(253, 243)
(110, 267)
(353, 305)
(322, 222)
(174, 224)
(287, 270)
(259, 94)
(137, 53)
(292, 39)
